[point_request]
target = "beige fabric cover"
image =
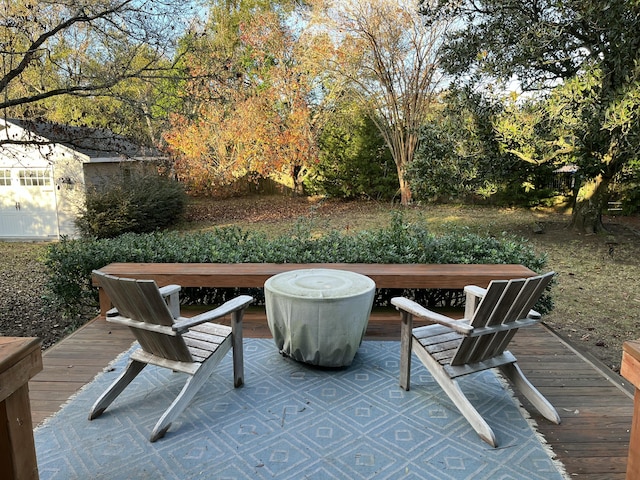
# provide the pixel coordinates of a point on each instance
(319, 316)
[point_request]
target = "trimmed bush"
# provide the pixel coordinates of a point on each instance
(70, 262)
(138, 204)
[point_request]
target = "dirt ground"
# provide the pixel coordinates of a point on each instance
(597, 295)
(22, 280)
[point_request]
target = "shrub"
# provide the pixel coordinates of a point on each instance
(70, 262)
(139, 204)
(437, 170)
(354, 160)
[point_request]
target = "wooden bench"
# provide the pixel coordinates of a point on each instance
(253, 275)
(614, 207)
(20, 360)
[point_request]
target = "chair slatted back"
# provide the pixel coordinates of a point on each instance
(141, 301)
(531, 292)
(505, 302)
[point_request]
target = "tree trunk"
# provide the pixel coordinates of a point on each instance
(405, 189)
(590, 202)
(297, 177)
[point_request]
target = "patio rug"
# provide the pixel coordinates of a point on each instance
(293, 421)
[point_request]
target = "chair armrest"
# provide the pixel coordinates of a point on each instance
(418, 310)
(170, 293)
(534, 315)
(238, 303)
(475, 291)
(169, 290)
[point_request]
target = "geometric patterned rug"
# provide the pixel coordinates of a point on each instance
(294, 421)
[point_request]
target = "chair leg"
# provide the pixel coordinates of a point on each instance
(116, 388)
(189, 390)
(406, 339)
(512, 372)
(452, 389)
(482, 428)
(191, 387)
(237, 348)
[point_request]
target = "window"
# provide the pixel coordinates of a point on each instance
(34, 177)
(5, 178)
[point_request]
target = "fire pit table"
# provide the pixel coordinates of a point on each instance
(319, 316)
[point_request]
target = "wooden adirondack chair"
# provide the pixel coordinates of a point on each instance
(452, 348)
(190, 345)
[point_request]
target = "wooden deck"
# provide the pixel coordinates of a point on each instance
(596, 405)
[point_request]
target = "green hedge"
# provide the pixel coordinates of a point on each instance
(70, 262)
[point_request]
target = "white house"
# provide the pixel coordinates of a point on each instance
(45, 169)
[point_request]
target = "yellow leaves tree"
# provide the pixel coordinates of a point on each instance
(254, 119)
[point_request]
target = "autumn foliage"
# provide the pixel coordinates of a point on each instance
(251, 116)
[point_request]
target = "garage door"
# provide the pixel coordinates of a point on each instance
(27, 203)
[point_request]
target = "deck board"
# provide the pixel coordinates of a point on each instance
(596, 410)
(595, 407)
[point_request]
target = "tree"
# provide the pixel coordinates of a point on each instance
(533, 144)
(353, 160)
(285, 85)
(586, 51)
(136, 108)
(83, 49)
(252, 117)
(458, 154)
(386, 54)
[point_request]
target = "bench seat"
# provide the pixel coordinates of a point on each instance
(253, 275)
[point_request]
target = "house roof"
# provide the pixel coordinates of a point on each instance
(99, 144)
